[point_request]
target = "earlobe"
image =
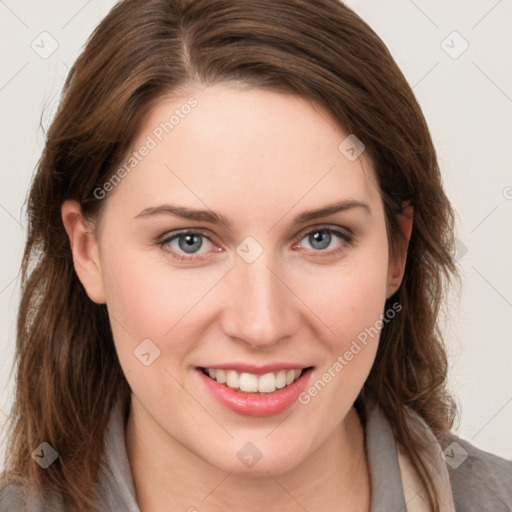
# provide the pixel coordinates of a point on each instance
(399, 259)
(84, 249)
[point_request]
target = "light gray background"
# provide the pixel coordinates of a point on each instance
(467, 102)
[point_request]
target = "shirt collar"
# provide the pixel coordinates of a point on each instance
(117, 491)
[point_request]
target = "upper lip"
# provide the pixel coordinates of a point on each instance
(255, 369)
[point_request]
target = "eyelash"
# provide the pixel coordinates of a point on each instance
(345, 237)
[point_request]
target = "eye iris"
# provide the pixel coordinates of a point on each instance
(321, 237)
(190, 243)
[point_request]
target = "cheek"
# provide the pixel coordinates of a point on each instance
(348, 299)
(353, 313)
(145, 305)
(146, 296)
(350, 302)
(148, 300)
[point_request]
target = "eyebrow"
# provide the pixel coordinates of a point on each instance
(216, 218)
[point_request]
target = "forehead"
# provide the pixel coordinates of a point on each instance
(232, 148)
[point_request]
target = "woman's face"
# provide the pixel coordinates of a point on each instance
(267, 289)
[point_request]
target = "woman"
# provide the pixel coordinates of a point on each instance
(238, 247)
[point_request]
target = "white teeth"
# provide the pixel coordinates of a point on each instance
(281, 379)
(251, 383)
(267, 383)
(232, 379)
(248, 383)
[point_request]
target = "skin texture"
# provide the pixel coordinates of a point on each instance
(259, 158)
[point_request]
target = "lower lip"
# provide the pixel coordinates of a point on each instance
(256, 404)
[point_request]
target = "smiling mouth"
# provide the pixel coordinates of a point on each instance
(252, 383)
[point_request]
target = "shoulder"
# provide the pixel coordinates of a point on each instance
(14, 498)
(480, 480)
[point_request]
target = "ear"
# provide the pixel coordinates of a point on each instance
(84, 248)
(396, 267)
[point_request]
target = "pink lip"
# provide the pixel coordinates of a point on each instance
(256, 404)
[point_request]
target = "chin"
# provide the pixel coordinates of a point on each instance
(257, 459)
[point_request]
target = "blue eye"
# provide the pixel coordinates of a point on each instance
(195, 245)
(190, 243)
(185, 245)
(320, 239)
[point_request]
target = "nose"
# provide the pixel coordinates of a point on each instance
(261, 309)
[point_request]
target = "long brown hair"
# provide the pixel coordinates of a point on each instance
(68, 375)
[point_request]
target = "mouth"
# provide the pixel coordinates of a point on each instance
(251, 391)
(247, 382)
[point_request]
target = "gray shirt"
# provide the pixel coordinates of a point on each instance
(481, 483)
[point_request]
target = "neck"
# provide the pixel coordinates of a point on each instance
(168, 476)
